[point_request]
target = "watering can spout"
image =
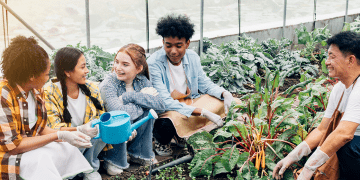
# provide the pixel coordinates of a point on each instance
(152, 115)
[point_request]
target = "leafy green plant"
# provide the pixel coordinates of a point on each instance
(98, 61)
(311, 40)
(171, 173)
(234, 64)
(353, 26)
(250, 148)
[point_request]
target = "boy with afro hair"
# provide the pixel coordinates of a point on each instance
(193, 102)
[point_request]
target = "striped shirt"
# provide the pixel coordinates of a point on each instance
(14, 125)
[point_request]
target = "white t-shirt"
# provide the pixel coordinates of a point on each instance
(350, 103)
(178, 75)
(31, 110)
(76, 108)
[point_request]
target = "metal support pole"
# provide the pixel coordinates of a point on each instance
(26, 24)
(284, 18)
(201, 27)
(147, 27)
(239, 15)
(314, 15)
(346, 11)
(87, 23)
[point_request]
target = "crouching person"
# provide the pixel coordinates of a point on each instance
(28, 148)
(337, 139)
(72, 102)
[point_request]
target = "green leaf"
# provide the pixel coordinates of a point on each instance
(230, 158)
(203, 163)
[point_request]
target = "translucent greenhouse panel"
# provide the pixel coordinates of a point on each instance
(299, 11)
(261, 14)
(160, 8)
(330, 8)
(354, 6)
(60, 22)
(220, 17)
(115, 23)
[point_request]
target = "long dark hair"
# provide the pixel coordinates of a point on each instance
(137, 55)
(65, 60)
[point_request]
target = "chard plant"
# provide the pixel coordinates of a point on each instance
(250, 147)
(353, 26)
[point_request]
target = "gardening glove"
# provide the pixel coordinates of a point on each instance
(295, 155)
(75, 138)
(212, 117)
(149, 90)
(87, 129)
(133, 135)
(228, 98)
(317, 159)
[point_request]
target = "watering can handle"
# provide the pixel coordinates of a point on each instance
(93, 123)
(152, 115)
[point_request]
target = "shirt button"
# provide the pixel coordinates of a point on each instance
(17, 161)
(24, 119)
(27, 132)
(24, 104)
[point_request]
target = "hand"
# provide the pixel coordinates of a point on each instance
(212, 117)
(228, 98)
(295, 155)
(88, 130)
(317, 159)
(133, 135)
(149, 90)
(75, 138)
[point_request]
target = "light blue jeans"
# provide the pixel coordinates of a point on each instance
(140, 147)
(91, 154)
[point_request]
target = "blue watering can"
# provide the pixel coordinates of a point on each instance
(115, 126)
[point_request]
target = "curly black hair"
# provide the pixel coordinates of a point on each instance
(23, 59)
(175, 26)
(347, 42)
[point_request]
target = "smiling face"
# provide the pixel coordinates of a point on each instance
(175, 49)
(337, 62)
(125, 68)
(78, 75)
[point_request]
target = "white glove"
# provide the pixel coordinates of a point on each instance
(133, 135)
(228, 98)
(149, 90)
(212, 117)
(75, 138)
(317, 159)
(88, 130)
(295, 155)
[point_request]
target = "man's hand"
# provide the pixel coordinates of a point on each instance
(317, 159)
(212, 117)
(228, 98)
(295, 155)
(149, 90)
(75, 138)
(88, 130)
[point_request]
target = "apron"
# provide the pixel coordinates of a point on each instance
(330, 170)
(184, 126)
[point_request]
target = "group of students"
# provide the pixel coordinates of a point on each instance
(45, 126)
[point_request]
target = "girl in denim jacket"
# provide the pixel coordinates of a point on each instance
(128, 88)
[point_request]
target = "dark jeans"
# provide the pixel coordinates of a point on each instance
(164, 130)
(349, 159)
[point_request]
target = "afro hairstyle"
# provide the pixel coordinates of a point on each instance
(173, 25)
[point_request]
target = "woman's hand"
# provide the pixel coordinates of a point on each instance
(88, 130)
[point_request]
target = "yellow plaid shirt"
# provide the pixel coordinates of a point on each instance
(14, 125)
(55, 108)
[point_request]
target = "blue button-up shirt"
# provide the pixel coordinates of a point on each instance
(197, 80)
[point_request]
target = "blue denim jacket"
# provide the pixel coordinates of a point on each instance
(198, 82)
(134, 103)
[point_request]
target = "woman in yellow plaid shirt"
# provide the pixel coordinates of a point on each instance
(72, 102)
